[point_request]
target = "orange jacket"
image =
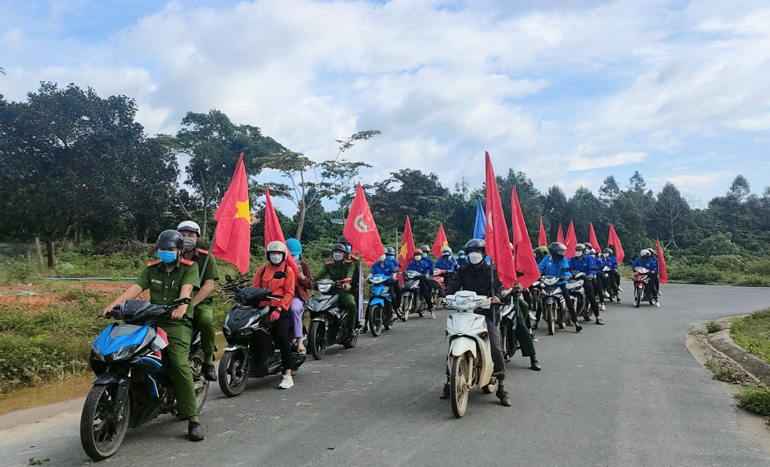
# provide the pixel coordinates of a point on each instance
(285, 286)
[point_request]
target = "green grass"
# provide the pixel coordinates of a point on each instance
(713, 326)
(727, 371)
(753, 333)
(755, 399)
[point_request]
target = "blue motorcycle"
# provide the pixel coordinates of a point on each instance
(132, 384)
(379, 312)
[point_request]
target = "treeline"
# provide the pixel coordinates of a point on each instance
(76, 166)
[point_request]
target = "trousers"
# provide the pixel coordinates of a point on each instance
(203, 320)
(178, 353)
(296, 309)
(280, 332)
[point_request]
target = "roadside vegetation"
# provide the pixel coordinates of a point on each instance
(753, 333)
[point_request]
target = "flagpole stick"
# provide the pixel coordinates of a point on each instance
(206, 261)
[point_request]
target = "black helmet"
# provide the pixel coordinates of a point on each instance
(476, 244)
(425, 249)
(557, 249)
(169, 239)
(339, 247)
(580, 247)
(390, 251)
(344, 241)
(607, 250)
(587, 245)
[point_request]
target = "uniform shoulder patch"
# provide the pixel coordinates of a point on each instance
(202, 251)
(186, 262)
(329, 262)
(153, 263)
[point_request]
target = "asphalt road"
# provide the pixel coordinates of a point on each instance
(627, 393)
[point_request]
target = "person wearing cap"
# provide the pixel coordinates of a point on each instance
(304, 284)
(462, 259)
(342, 271)
(203, 303)
(424, 266)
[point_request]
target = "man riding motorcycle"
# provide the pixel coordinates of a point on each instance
(557, 265)
(598, 288)
(477, 277)
(342, 271)
(523, 336)
(585, 263)
(169, 278)
(395, 290)
(384, 267)
(424, 266)
(646, 261)
(446, 263)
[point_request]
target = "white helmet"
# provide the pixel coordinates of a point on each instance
(189, 226)
(446, 251)
(645, 252)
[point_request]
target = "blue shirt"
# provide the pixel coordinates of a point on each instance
(611, 261)
(394, 264)
(384, 269)
(584, 264)
(425, 266)
(549, 267)
(649, 263)
(448, 265)
(462, 261)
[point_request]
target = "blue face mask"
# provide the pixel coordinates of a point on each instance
(167, 257)
(296, 258)
(349, 248)
(389, 257)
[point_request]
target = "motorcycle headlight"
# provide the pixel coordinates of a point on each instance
(123, 354)
(324, 288)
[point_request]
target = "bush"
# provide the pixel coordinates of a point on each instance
(753, 333)
(713, 326)
(19, 271)
(755, 399)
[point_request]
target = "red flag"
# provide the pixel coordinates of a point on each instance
(662, 265)
(361, 231)
(592, 238)
(498, 243)
(570, 240)
(614, 242)
(273, 230)
(407, 245)
(542, 241)
(560, 235)
(523, 256)
(441, 242)
(233, 235)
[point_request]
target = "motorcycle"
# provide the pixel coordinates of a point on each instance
(437, 289)
(552, 303)
(133, 384)
(251, 351)
(328, 321)
(578, 295)
(611, 288)
(380, 309)
(411, 299)
(469, 354)
(641, 291)
(509, 323)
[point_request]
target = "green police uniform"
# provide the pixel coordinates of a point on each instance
(337, 271)
(203, 315)
(165, 287)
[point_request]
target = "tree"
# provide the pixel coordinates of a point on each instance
(584, 207)
(556, 210)
(674, 217)
(310, 181)
(609, 191)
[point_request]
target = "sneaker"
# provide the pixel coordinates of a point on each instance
(286, 383)
(599, 321)
(620, 288)
(195, 431)
(603, 307)
(578, 328)
(657, 303)
(209, 373)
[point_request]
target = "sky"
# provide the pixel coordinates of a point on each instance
(568, 91)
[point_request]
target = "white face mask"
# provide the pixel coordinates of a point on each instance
(296, 258)
(275, 258)
(578, 254)
(338, 255)
(606, 255)
(418, 257)
(475, 257)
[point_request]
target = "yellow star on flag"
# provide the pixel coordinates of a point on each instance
(243, 210)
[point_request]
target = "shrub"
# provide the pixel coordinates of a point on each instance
(713, 326)
(753, 333)
(755, 399)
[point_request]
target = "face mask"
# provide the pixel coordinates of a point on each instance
(188, 244)
(275, 258)
(166, 257)
(578, 254)
(475, 258)
(418, 257)
(462, 256)
(389, 257)
(349, 249)
(606, 255)
(338, 255)
(296, 258)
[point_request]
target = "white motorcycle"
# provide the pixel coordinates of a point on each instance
(469, 353)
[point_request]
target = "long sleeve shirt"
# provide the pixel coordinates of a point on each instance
(585, 264)
(285, 286)
(549, 267)
(303, 285)
(424, 266)
(448, 265)
(648, 263)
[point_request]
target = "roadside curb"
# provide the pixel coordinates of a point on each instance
(753, 365)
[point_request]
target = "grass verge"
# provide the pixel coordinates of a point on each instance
(753, 333)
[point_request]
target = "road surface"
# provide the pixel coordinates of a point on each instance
(628, 393)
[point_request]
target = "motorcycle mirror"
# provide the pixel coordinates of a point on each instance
(228, 278)
(279, 275)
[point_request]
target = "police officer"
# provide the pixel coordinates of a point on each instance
(203, 303)
(477, 277)
(349, 257)
(340, 270)
(171, 277)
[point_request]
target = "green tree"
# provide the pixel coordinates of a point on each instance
(556, 209)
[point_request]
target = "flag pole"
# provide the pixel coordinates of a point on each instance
(206, 261)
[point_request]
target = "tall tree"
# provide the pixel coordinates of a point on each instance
(556, 209)
(674, 217)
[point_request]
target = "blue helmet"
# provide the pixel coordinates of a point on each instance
(295, 247)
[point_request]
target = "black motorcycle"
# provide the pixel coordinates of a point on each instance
(509, 323)
(251, 351)
(411, 298)
(552, 303)
(610, 288)
(328, 321)
(578, 296)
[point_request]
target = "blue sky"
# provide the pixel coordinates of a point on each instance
(568, 91)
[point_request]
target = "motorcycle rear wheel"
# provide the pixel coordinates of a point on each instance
(316, 340)
(201, 383)
(376, 313)
(350, 343)
(101, 434)
(233, 373)
(459, 383)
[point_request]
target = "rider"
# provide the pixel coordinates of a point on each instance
(557, 265)
(585, 263)
(395, 289)
(386, 268)
(342, 271)
(598, 287)
(523, 335)
(304, 284)
(461, 259)
(169, 278)
(202, 304)
(356, 266)
(646, 261)
(424, 266)
(281, 280)
(540, 253)
(446, 263)
(477, 277)
(612, 262)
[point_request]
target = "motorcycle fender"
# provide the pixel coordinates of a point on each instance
(460, 345)
(237, 348)
(122, 382)
(106, 378)
(322, 319)
(377, 301)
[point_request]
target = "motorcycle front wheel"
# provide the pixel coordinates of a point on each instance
(102, 432)
(406, 307)
(550, 319)
(233, 373)
(376, 320)
(459, 383)
(316, 339)
(638, 296)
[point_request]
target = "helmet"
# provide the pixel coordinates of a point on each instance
(339, 247)
(417, 251)
(189, 226)
(425, 248)
(580, 247)
(276, 247)
(645, 252)
(446, 251)
(343, 240)
(169, 239)
(390, 251)
(593, 252)
(476, 244)
(607, 250)
(588, 246)
(557, 249)
(460, 253)
(294, 246)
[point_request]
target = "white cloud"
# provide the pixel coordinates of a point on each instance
(594, 162)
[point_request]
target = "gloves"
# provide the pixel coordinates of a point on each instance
(274, 316)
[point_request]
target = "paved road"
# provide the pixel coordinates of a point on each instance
(628, 393)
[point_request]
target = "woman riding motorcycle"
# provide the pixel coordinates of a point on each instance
(304, 284)
(646, 261)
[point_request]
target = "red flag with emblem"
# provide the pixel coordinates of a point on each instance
(273, 230)
(361, 231)
(570, 240)
(498, 243)
(662, 265)
(232, 238)
(614, 242)
(523, 256)
(541, 240)
(406, 252)
(441, 242)
(592, 238)
(560, 235)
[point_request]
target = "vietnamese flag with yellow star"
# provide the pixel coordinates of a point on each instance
(232, 238)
